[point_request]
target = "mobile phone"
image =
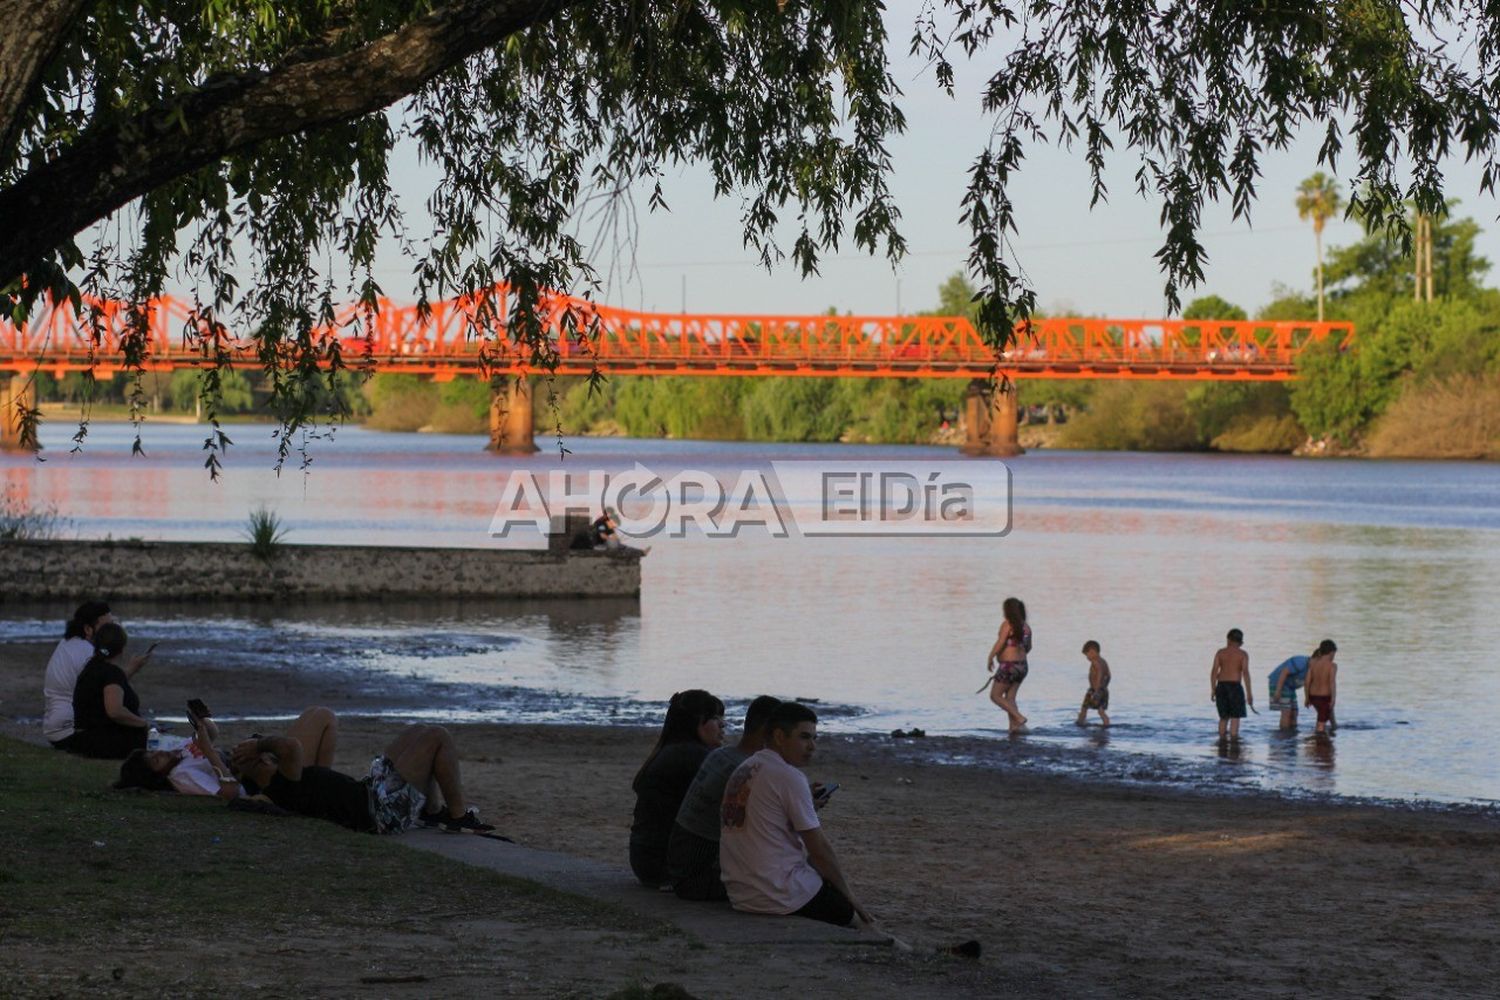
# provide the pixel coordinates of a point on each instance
(152, 648)
(828, 790)
(197, 710)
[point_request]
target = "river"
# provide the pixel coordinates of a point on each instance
(1155, 556)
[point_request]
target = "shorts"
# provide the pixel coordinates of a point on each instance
(1229, 696)
(1096, 698)
(1011, 671)
(1286, 703)
(1324, 705)
(829, 906)
(395, 805)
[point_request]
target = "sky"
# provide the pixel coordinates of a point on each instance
(1097, 262)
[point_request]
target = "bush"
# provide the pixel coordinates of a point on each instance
(463, 407)
(1135, 416)
(400, 402)
(1455, 417)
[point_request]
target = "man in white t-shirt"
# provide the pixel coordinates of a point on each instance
(67, 662)
(772, 851)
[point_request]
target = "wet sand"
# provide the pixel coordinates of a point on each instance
(1081, 888)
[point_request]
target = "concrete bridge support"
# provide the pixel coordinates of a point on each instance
(17, 392)
(510, 417)
(990, 419)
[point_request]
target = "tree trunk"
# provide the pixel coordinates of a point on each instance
(34, 32)
(1318, 238)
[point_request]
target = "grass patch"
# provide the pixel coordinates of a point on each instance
(80, 856)
(265, 533)
(21, 521)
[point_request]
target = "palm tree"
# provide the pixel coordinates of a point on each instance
(1318, 199)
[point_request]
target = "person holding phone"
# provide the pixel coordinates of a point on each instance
(772, 850)
(197, 768)
(106, 710)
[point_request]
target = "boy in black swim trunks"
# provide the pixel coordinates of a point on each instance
(1097, 696)
(1229, 684)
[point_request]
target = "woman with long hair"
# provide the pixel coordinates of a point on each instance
(1008, 658)
(693, 727)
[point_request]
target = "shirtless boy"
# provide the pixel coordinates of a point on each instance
(1097, 696)
(1322, 683)
(1229, 684)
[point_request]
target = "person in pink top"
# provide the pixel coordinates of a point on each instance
(773, 854)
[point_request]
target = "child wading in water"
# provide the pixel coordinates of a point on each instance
(1229, 684)
(1010, 649)
(1097, 696)
(1323, 683)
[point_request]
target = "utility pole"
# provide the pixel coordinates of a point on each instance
(1422, 272)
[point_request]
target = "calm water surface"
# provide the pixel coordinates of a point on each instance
(1156, 556)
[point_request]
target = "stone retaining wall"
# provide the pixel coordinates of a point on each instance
(191, 571)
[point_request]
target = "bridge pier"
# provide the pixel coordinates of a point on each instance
(16, 393)
(510, 417)
(990, 419)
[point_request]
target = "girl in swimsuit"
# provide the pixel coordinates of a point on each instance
(1008, 655)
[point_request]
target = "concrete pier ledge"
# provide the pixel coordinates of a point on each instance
(192, 571)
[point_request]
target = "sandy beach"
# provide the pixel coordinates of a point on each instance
(1075, 887)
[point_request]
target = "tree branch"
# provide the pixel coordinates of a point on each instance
(111, 166)
(34, 32)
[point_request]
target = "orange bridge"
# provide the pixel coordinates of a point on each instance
(624, 342)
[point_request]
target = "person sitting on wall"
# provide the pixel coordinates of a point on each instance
(73, 652)
(106, 710)
(693, 849)
(694, 725)
(774, 855)
(419, 768)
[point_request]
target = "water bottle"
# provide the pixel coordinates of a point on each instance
(153, 739)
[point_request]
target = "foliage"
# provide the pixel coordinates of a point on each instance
(1128, 416)
(1318, 200)
(401, 402)
(246, 145)
(463, 407)
(1455, 416)
(20, 520)
(234, 391)
(1381, 263)
(265, 533)
(1212, 307)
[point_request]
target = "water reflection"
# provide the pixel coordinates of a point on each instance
(1169, 550)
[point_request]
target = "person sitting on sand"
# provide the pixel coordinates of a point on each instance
(693, 848)
(106, 718)
(1229, 684)
(196, 768)
(1097, 696)
(1323, 684)
(418, 768)
(694, 726)
(1008, 658)
(73, 652)
(774, 855)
